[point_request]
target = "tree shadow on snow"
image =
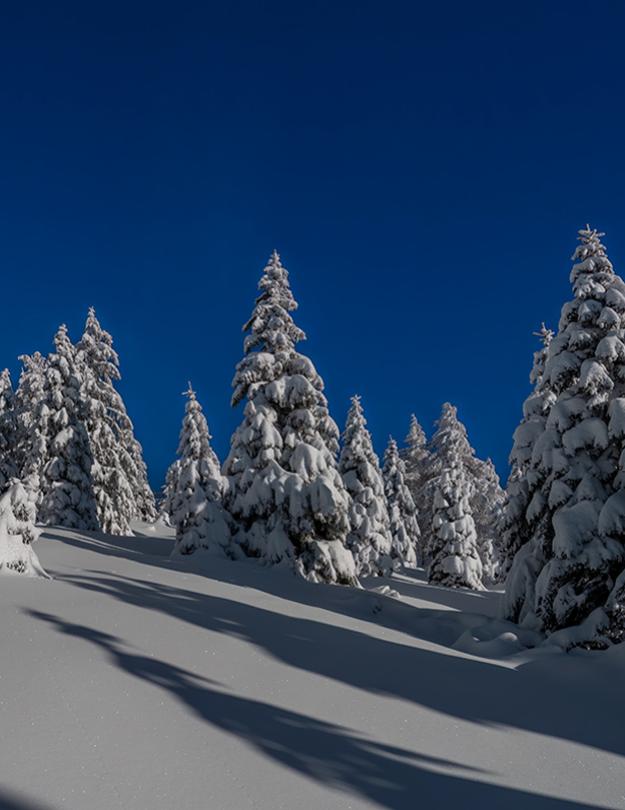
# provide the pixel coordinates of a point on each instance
(572, 700)
(334, 756)
(15, 801)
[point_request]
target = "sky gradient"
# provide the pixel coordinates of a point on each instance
(422, 171)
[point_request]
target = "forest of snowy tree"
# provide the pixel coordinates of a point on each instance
(296, 492)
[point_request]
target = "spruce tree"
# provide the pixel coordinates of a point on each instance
(105, 417)
(165, 508)
(569, 567)
(369, 538)
(523, 481)
(486, 501)
(405, 532)
(8, 431)
(197, 511)
(456, 562)
(18, 533)
(454, 547)
(67, 486)
(31, 414)
(285, 492)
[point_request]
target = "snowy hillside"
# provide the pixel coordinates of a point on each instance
(130, 682)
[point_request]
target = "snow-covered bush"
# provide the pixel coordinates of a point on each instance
(196, 499)
(405, 532)
(285, 492)
(369, 538)
(18, 533)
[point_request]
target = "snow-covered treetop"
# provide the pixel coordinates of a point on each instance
(97, 344)
(271, 327)
(450, 440)
(194, 435)
(356, 437)
(415, 438)
(272, 333)
(540, 356)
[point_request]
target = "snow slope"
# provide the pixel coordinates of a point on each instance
(131, 682)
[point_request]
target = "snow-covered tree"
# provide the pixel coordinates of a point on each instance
(369, 538)
(137, 475)
(31, 414)
(105, 417)
(486, 501)
(197, 511)
(285, 492)
(165, 506)
(8, 430)
(454, 546)
(456, 562)
(18, 533)
(402, 511)
(66, 482)
(576, 515)
(416, 456)
(515, 529)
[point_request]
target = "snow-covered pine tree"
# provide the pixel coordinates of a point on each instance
(454, 545)
(18, 533)
(575, 515)
(8, 430)
(165, 506)
(105, 417)
(285, 492)
(456, 561)
(31, 414)
(515, 529)
(416, 457)
(405, 533)
(369, 538)
(137, 474)
(67, 486)
(197, 511)
(486, 501)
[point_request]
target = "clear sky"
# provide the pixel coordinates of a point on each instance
(422, 169)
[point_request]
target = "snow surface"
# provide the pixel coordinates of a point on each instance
(130, 681)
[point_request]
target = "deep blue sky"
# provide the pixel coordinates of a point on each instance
(422, 168)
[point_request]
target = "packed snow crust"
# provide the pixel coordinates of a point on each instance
(134, 681)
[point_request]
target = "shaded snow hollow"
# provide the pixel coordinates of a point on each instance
(131, 682)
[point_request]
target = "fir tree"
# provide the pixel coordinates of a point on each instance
(486, 501)
(68, 498)
(285, 492)
(197, 501)
(369, 538)
(405, 532)
(515, 529)
(454, 548)
(105, 417)
(568, 568)
(31, 414)
(456, 561)
(8, 431)
(18, 533)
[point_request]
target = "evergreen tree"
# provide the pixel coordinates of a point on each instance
(486, 501)
(402, 511)
(569, 567)
(456, 561)
(285, 492)
(369, 538)
(31, 414)
(523, 481)
(68, 497)
(8, 431)
(18, 532)
(416, 456)
(197, 502)
(137, 475)
(105, 419)
(169, 490)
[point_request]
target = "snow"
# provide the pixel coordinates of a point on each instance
(136, 682)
